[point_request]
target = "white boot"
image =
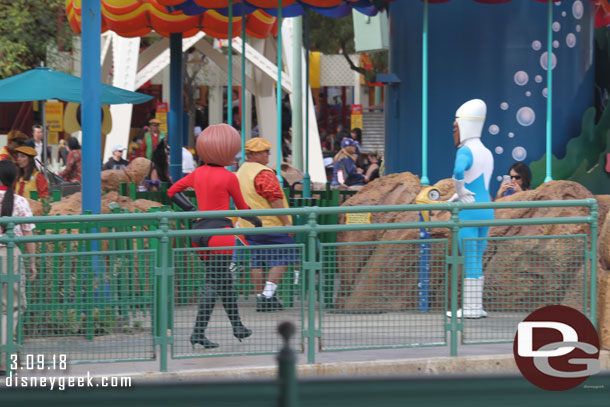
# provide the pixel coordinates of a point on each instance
(473, 300)
(481, 282)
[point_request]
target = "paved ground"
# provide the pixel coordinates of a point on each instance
(340, 331)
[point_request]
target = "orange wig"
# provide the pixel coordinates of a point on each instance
(218, 144)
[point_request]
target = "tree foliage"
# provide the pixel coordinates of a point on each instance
(336, 36)
(28, 27)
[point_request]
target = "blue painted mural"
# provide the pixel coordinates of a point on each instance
(496, 53)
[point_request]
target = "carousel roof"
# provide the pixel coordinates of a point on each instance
(134, 18)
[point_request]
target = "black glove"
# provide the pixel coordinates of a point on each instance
(183, 202)
(255, 220)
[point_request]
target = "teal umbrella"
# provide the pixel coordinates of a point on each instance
(45, 83)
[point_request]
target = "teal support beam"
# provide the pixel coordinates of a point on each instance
(279, 93)
(230, 68)
(549, 96)
(244, 105)
(176, 106)
(91, 107)
(297, 94)
(306, 177)
(424, 101)
(377, 96)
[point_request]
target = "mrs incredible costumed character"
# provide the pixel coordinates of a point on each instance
(474, 165)
(214, 187)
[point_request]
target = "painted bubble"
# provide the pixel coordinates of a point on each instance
(519, 153)
(555, 44)
(571, 40)
(556, 26)
(538, 78)
(577, 28)
(558, 3)
(494, 129)
(526, 116)
(544, 60)
(577, 9)
(499, 178)
(511, 135)
(563, 14)
(536, 45)
(521, 78)
(504, 106)
(528, 93)
(499, 150)
(545, 92)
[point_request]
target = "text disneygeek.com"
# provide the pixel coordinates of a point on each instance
(67, 382)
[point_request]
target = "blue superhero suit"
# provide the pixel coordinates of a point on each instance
(471, 176)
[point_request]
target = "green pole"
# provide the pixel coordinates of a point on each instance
(297, 93)
(279, 93)
(549, 96)
(306, 177)
(424, 102)
(243, 83)
(230, 73)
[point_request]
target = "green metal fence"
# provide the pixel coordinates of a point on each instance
(127, 286)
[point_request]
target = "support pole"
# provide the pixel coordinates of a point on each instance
(244, 105)
(306, 177)
(297, 93)
(424, 101)
(549, 96)
(91, 107)
(230, 73)
(176, 108)
(279, 94)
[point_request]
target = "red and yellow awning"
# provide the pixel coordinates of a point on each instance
(134, 18)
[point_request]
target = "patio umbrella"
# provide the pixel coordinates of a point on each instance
(45, 83)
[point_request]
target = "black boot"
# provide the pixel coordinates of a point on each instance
(204, 311)
(228, 297)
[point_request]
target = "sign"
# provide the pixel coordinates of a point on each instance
(54, 114)
(357, 218)
(356, 118)
(556, 348)
(161, 114)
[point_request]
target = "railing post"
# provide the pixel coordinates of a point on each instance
(310, 266)
(593, 258)
(454, 260)
(11, 279)
(286, 359)
(163, 272)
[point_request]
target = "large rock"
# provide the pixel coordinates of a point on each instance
(387, 270)
(35, 206)
(136, 171)
(521, 274)
(71, 205)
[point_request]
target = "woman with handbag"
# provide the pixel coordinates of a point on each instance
(214, 186)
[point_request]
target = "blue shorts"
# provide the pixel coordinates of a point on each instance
(271, 257)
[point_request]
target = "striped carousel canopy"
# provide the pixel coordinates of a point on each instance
(134, 18)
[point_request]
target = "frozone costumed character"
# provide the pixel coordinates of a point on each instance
(471, 175)
(214, 187)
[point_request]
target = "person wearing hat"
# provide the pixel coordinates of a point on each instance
(29, 178)
(152, 138)
(345, 171)
(116, 162)
(14, 139)
(261, 190)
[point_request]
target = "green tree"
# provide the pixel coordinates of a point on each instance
(336, 36)
(27, 27)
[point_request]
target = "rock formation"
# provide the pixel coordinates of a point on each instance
(136, 171)
(525, 268)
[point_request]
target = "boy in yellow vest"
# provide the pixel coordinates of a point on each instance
(261, 190)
